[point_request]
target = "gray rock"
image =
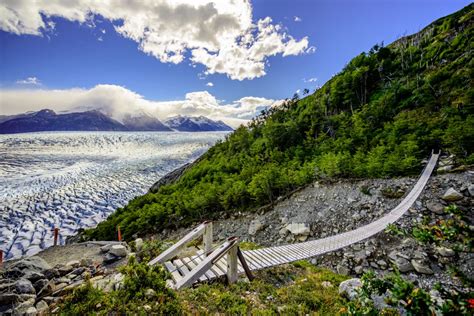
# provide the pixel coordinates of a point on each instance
(452, 195)
(42, 307)
(359, 269)
(73, 263)
(110, 258)
(106, 248)
(420, 267)
(349, 288)
(445, 252)
(254, 227)
(403, 265)
(29, 266)
(435, 207)
(139, 244)
(31, 311)
(298, 229)
(24, 286)
(118, 250)
(470, 189)
(150, 293)
(341, 269)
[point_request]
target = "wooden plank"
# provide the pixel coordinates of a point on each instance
(173, 250)
(262, 259)
(221, 265)
(181, 267)
(209, 274)
(204, 265)
(191, 265)
(216, 271)
(250, 260)
(172, 269)
(255, 260)
(270, 256)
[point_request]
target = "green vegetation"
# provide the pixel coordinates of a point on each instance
(397, 293)
(295, 289)
(454, 230)
(378, 117)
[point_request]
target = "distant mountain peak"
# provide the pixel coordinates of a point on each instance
(196, 124)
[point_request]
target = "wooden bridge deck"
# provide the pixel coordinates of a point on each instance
(273, 256)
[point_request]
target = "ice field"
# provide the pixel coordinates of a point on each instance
(74, 180)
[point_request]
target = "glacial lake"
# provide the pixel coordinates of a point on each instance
(74, 180)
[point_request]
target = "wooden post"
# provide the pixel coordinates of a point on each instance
(207, 239)
(56, 234)
(244, 264)
(119, 233)
(1, 257)
(232, 264)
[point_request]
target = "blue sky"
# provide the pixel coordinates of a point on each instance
(83, 54)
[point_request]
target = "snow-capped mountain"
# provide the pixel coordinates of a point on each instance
(196, 124)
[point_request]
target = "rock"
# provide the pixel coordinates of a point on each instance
(349, 288)
(254, 227)
(445, 252)
(403, 265)
(470, 189)
(326, 284)
(435, 207)
(110, 258)
(436, 298)
(382, 263)
(420, 267)
(106, 248)
(150, 293)
(24, 286)
(42, 308)
(73, 263)
(298, 229)
(358, 270)
(63, 270)
(40, 284)
(118, 250)
(27, 267)
(444, 169)
(138, 244)
(343, 269)
(8, 298)
(51, 274)
(283, 232)
(31, 311)
(452, 195)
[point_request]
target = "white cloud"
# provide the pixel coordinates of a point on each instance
(118, 101)
(30, 81)
(210, 84)
(298, 19)
(219, 34)
(310, 80)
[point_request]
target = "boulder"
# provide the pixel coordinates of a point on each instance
(435, 207)
(445, 252)
(138, 244)
(24, 286)
(298, 229)
(470, 189)
(349, 288)
(358, 270)
(106, 248)
(341, 269)
(403, 265)
(28, 267)
(42, 308)
(420, 267)
(452, 195)
(254, 227)
(118, 250)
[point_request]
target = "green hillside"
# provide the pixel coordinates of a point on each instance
(379, 117)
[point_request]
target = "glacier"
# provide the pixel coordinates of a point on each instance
(74, 180)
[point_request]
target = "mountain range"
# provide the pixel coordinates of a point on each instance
(94, 120)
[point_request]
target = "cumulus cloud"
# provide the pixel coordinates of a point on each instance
(29, 81)
(310, 80)
(210, 84)
(220, 34)
(118, 102)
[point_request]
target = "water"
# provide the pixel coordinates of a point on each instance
(74, 180)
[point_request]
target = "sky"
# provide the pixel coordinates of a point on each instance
(225, 59)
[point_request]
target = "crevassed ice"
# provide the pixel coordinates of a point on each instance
(74, 180)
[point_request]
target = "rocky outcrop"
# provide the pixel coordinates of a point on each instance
(172, 176)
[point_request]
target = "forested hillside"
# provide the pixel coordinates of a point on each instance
(379, 117)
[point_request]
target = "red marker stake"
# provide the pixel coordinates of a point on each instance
(56, 234)
(1, 257)
(119, 233)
